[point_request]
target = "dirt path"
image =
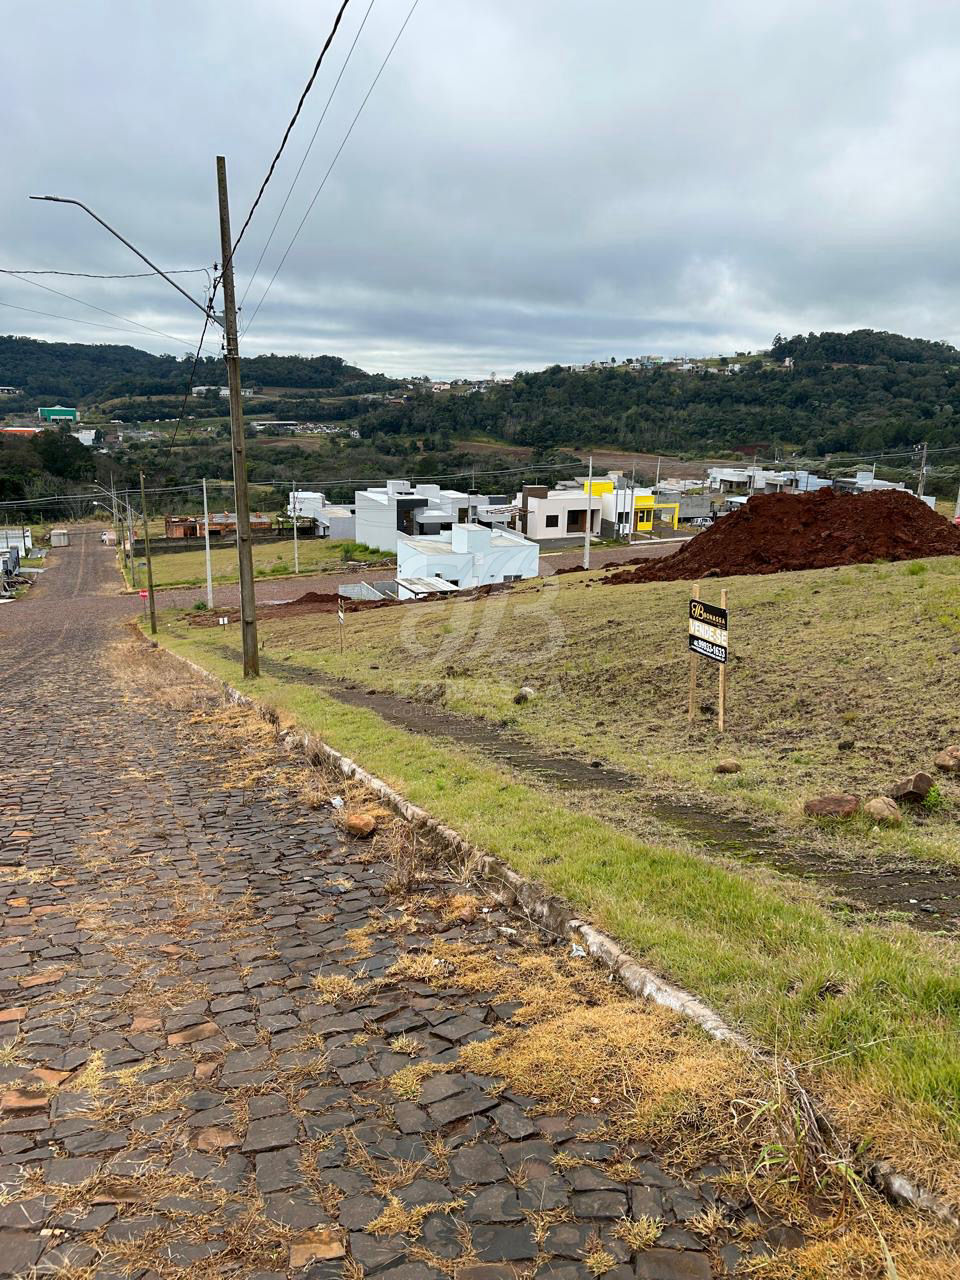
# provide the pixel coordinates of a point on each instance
(208, 989)
(927, 896)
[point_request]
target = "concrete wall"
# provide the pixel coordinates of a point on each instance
(376, 521)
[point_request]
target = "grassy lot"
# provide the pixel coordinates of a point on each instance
(868, 1010)
(840, 680)
(274, 559)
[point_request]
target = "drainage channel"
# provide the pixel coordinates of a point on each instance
(929, 897)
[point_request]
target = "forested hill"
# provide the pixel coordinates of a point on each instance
(859, 393)
(74, 372)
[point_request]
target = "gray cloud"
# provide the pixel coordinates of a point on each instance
(531, 181)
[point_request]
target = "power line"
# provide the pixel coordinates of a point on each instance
(336, 157)
(96, 275)
(93, 306)
(53, 315)
(193, 373)
(289, 128)
(306, 154)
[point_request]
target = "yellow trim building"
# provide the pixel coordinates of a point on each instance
(645, 506)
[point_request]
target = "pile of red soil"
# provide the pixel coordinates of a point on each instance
(778, 532)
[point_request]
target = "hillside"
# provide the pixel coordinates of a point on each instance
(75, 371)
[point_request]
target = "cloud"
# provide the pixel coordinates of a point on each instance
(528, 182)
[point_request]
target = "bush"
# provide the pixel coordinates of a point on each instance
(199, 605)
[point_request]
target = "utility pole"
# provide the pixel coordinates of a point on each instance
(130, 534)
(248, 603)
(296, 544)
(923, 469)
(633, 499)
(146, 549)
(656, 483)
(206, 545)
(956, 509)
(586, 531)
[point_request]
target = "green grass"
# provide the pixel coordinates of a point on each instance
(270, 560)
(873, 1012)
(819, 660)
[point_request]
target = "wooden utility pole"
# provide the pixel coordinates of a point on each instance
(923, 470)
(206, 546)
(146, 552)
(248, 604)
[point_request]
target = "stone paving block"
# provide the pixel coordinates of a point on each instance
(668, 1264)
(504, 1244)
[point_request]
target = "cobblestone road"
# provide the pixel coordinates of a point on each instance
(196, 1052)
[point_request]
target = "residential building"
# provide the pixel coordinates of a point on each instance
(182, 527)
(618, 496)
(546, 514)
(58, 413)
(85, 436)
(223, 523)
(18, 536)
(11, 391)
(26, 433)
(466, 555)
(332, 520)
(398, 507)
(222, 392)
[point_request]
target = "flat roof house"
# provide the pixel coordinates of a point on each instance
(399, 507)
(331, 519)
(544, 514)
(467, 555)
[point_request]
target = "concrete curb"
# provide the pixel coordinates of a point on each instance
(556, 916)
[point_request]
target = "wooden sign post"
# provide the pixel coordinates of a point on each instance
(708, 636)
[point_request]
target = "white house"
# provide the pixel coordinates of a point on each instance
(85, 436)
(332, 520)
(398, 507)
(467, 555)
(544, 514)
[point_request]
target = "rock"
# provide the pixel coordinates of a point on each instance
(316, 1246)
(838, 806)
(846, 744)
(201, 1031)
(727, 766)
(525, 694)
(360, 824)
(883, 809)
(216, 1139)
(913, 789)
(948, 761)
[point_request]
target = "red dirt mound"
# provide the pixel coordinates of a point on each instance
(779, 532)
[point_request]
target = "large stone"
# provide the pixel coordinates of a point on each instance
(948, 761)
(669, 1264)
(279, 1170)
(883, 809)
(524, 694)
(360, 824)
(316, 1246)
(497, 1203)
(504, 1244)
(913, 789)
(727, 766)
(474, 1165)
(19, 1251)
(834, 806)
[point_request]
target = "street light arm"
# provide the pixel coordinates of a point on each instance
(142, 256)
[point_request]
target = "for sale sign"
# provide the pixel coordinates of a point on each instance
(708, 631)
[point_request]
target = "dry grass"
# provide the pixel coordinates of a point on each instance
(334, 986)
(400, 1219)
(406, 1082)
(638, 1233)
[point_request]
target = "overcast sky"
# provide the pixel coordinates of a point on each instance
(531, 180)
